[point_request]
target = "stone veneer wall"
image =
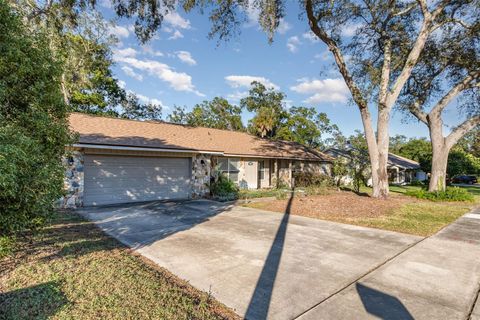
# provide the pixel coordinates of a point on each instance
(73, 180)
(201, 169)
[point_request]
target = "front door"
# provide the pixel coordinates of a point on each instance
(251, 173)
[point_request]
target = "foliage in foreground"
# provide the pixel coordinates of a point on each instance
(307, 179)
(72, 270)
(450, 194)
(224, 189)
(33, 126)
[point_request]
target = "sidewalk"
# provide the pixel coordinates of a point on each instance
(439, 278)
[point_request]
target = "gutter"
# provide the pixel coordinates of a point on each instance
(110, 147)
(153, 149)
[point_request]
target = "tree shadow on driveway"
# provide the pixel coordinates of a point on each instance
(262, 295)
(382, 305)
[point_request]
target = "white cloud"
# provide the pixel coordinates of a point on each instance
(236, 81)
(350, 30)
(152, 52)
(129, 72)
(176, 35)
(283, 26)
(326, 90)
(122, 84)
(148, 100)
(237, 96)
(324, 56)
(293, 43)
(179, 81)
(186, 57)
(310, 36)
(119, 31)
(126, 52)
(252, 15)
(175, 20)
(106, 4)
(174, 23)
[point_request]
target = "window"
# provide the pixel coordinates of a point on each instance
(261, 169)
(229, 167)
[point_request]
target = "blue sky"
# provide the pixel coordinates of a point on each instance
(181, 66)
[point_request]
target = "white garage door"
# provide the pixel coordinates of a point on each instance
(114, 179)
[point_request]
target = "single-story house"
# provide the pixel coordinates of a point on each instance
(400, 169)
(120, 161)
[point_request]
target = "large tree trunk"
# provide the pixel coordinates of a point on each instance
(378, 155)
(383, 141)
(440, 152)
(439, 169)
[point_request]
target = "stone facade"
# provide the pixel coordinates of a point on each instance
(201, 172)
(73, 180)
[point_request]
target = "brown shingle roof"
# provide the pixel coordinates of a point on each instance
(132, 133)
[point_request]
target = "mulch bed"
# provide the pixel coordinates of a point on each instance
(339, 204)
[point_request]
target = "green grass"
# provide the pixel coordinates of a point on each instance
(72, 270)
(423, 218)
(261, 193)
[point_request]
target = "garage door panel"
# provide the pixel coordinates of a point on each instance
(113, 179)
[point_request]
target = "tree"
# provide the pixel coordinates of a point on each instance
(178, 115)
(306, 126)
(217, 113)
(396, 142)
(447, 73)
(33, 126)
(419, 150)
(382, 54)
(269, 109)
(82, 42)
(470, 143)
(460, 162)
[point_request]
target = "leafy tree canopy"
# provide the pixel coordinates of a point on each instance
(269, 108)
(33, 125)
(217, 113)
(82, 42)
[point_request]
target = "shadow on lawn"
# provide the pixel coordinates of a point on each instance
(262, 295)
(36, 302)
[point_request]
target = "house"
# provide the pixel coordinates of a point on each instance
(400, 169)
(120, 161)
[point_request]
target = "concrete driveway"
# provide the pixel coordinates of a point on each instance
(277, 266)
(261, 264)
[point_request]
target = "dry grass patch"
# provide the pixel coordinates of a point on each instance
(398, 213)
(72, 270)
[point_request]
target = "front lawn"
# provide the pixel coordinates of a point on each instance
(399, 213)
(72, 270)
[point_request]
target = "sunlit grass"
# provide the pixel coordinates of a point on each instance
(73, 270)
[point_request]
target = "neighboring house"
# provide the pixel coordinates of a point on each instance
(400, 170)
(121, 161)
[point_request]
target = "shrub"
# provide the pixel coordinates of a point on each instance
(450, 194)
(316, 190)
(307, 179)
(224, 189)
(417, 183)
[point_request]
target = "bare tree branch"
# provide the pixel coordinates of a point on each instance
(416, 110)
(447, 98)
(411, 60)
(385, 77)
(337, 54)
(461, 130)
